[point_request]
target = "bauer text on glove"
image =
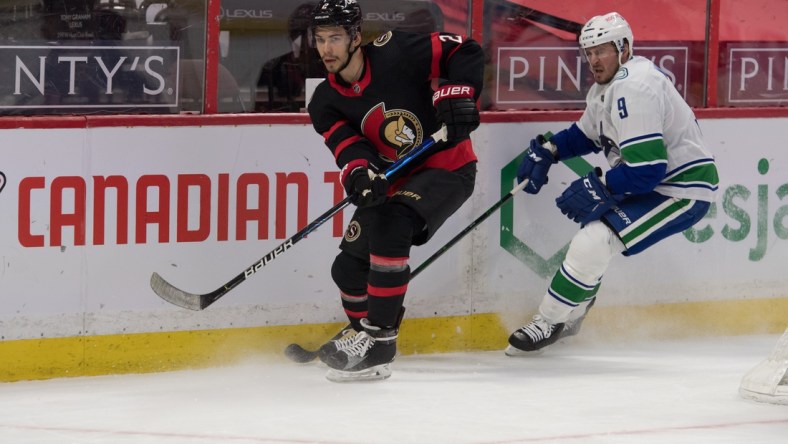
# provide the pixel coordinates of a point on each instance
(455, 107)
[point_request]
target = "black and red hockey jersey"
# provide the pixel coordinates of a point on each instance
(389, 110)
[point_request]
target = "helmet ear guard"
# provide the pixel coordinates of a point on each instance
(611, 27)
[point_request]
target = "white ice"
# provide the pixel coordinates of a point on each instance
(664, 392)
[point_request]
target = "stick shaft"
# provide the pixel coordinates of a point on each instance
(194, 301)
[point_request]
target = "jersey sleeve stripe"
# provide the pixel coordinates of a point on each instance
(344, 144)
(639, 139)
(435, 66)
(645, 152)
(333, 128)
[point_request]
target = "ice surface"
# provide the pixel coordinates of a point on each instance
(639, 392)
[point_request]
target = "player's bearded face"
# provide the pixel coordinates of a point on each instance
(603, 62)
(333, 45)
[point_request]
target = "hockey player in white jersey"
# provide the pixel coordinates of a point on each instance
(661, 181)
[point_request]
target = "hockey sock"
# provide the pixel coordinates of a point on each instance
(580, 274)
(388, 283)
(350, 275)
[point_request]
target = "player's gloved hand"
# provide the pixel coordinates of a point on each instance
(586, 199)
(456, 108)
(366, 187)
(535, 165)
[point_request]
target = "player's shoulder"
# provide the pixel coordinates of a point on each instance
(323, 95)
(393, 38)
(637, 75)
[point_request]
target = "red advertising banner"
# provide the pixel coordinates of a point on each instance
(755, 76)
(558, 77)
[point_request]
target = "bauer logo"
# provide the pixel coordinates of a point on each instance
(80, 77)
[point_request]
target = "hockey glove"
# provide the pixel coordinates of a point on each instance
(456, 108)
(365, 187)
(586, 199)
(535, 165)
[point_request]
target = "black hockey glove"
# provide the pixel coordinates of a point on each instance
(456, 108)
(586, 199)
(537, 162)
(365, 187)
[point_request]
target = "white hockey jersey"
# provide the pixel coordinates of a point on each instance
(646, 129)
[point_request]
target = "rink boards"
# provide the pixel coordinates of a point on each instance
(88, 214)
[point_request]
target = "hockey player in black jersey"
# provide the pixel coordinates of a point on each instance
(376, 104)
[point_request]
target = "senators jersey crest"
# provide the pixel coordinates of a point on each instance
(387, 111)
(394, 132)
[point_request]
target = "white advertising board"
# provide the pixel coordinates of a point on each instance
(88, 214)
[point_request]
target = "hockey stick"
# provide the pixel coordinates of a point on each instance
(299, 354)
(195, 301)
(469, 228)
(521, 186)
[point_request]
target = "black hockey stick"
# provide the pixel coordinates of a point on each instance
(301, 355)
(521, 186)
(195, 301)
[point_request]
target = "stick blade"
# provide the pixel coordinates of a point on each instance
(174, 295)
(299, 354)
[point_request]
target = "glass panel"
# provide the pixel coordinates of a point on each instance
(101, 56)
(266, 52)
(753, 63)
(535, 62)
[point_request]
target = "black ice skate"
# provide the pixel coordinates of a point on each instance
(365, 357)
(344, 339)
(534, 337)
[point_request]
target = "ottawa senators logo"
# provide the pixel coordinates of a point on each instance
(394, 132)
(353, 231)
(382, 39)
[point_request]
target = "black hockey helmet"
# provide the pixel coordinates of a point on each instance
(344, 13)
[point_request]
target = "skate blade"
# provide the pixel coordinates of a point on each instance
(517, 353)
(376, 373)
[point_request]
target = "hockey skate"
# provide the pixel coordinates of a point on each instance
(344, 339)
(533, 337)
(522, 344)
(365, 356)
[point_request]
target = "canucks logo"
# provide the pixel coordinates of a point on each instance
(621, 74)
(393, 132)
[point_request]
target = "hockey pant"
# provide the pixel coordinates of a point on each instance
(634, 225)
